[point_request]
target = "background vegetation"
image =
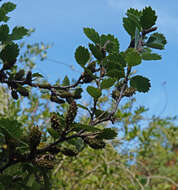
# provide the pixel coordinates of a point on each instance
(60, 136)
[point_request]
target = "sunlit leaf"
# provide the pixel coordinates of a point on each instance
(96, 51)
(157, 41)
(132, 57)
(148, 18)
(92, 35)
(94, 92)
(107, 83)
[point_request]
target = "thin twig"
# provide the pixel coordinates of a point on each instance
(162, 177)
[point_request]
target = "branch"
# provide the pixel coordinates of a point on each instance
(146, 31)
(110, 116)
(161, 177)
(62, 139)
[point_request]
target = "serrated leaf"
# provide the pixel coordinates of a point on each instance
(96, 51)
(112, 43)
(18, 33)
(94, 92)
(82, 55)
(10, 52)
(107, 83)
(132, 57)
(92, 35)
(157, 41)
(115, 73)
(4, 9)
(115, 60)
(4, 31)
(142, 84)
(150, 56)
(38, 75)
(107, 133)
(148, 18)
(132, 21)
(66, 81)
(134, 12)
(147, 55)
(114, 64)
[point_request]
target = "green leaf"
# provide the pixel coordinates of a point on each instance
(92, 35)
(137, 37)
(96, 51)
(112, 43)
(82, 55)
(10, 52)
(94, 92)
(78, 143)
(38, 75)
(107, 83)
(141, 83)
(107, 133)
(78, 127)
(148, 18)
(6, 179)
(134, 12)
(114, 61)
(129, 26)
(157, 41)
(147, 55)
(115, 73)
(132, 57)
(77, 93)
(66, 81)
(18, 33)
(132, 21)
(11, 128)
(4, 9)
(4, 31)
(53, 133)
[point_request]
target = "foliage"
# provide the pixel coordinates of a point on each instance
(149, 163)
(33, 140)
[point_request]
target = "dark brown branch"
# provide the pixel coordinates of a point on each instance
(62, 139)
(110, 116)
(146, 31)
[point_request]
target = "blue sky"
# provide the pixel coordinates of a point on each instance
(61, 23)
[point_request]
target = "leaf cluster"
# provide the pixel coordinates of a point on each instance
(105, 68)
